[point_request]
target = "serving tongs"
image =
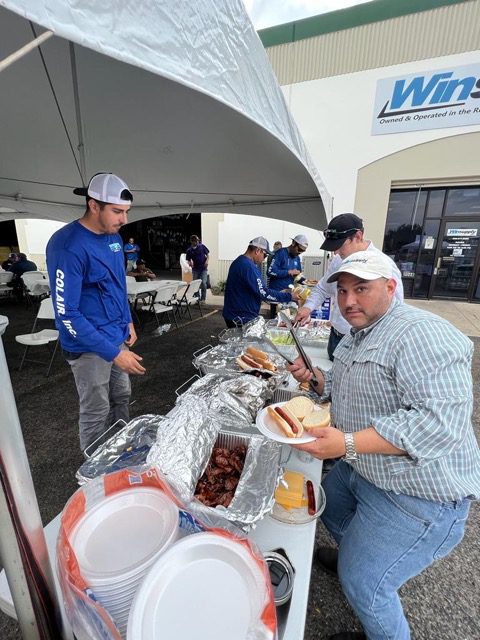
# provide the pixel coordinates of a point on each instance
(301, 352)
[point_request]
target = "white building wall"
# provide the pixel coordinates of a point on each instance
(335, 116)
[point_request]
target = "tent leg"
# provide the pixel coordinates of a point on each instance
(23, 550)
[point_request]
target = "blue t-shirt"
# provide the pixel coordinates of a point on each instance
(198, 255)
(245, 291)
(131, 255)
(89, 290)
(281, 264)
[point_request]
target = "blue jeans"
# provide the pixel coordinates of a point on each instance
(384, 540)
(201, 275)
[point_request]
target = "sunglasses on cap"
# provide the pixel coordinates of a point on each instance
(300, 249)
(333, 234)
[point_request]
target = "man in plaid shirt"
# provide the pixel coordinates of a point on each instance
(401, 393)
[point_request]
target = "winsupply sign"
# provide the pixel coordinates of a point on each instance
(462, 233)
(428, 100)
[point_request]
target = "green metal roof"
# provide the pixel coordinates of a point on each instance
(374, 11)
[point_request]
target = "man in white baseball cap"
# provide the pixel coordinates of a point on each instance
(285, 266)
(401, 404)
(87, 279)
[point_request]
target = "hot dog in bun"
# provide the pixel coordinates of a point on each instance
(255, 359)
(286, 421)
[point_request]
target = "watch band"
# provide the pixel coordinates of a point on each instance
(351, 454)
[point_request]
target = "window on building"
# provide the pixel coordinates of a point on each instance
(463, 202)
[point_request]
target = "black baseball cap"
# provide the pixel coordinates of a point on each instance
(339, 229)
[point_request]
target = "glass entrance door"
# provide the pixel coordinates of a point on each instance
(456, 260)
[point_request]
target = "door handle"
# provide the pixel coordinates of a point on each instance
(439, 263)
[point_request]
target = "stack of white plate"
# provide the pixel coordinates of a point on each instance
(117, 541)
(204, 586)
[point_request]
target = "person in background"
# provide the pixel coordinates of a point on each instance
(22, 265)
(6, 264)
(285, 266)
(245, 289)
(276, 246)
(89, 291)
(142, 273)
(401, 408)
(343, 236)
(131, 251)
(197, 258)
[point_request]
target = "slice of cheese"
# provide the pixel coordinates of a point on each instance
(291, 497)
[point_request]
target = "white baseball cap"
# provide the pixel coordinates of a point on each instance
(367, 265)
(261, 243)
(106, 187)
(301, 240)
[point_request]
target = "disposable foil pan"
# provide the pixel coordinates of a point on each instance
(254, 495)
(222, 360)
(183, 447)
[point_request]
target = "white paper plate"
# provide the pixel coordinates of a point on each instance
(204, 586)
(268, 427)
(123, 534)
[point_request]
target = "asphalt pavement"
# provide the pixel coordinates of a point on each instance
(442, 603)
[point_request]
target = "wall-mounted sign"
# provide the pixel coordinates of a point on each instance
(428, 100)
(462, 233)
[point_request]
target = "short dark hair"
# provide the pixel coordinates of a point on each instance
(194, 237)
(21, 256)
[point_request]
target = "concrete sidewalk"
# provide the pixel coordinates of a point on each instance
(463, 315)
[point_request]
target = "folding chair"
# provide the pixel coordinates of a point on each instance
(43, 337)
(163, 303)
(36, 286)
(189, 296)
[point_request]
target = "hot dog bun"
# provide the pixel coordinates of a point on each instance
(283, 424)
(257, 354)
(300, 406)
(261, 358)
(320, 417)
(247, 363)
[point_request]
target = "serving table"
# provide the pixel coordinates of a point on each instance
(297, 540)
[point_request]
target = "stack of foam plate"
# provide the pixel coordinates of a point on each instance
(118, 540)
(204, 586)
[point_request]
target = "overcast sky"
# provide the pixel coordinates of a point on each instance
(267, 13)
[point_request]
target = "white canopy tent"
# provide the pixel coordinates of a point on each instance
(176, 97)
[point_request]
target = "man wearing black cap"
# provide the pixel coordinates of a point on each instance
(87, 279)
(245, 289)
(343, 236)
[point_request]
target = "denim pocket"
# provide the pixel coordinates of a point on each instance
(453, 537)
(416, 509)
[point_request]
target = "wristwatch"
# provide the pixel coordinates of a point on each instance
(351, 454)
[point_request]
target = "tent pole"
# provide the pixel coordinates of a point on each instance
(13, 57)
(78, 114)
(23, 550)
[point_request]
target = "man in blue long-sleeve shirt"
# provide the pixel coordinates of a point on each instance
(245, 289)
(87, 279)
(285, 266)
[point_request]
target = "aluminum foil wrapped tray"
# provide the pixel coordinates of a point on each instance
(185, 440)
(126, 448)
(222, 360)
(235, 401)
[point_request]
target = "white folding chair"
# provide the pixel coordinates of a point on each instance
(191, 297)
(163, 302)
(42, 337)
(36, 286)
(5, 278)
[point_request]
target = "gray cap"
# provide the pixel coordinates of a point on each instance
(261, 243)
(106, 187)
